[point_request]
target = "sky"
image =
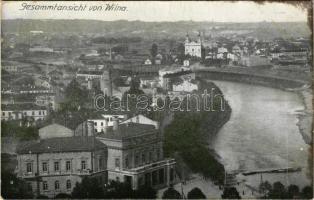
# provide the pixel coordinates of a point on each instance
(244, 11)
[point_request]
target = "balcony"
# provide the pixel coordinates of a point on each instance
(28, 174)
(169, 161)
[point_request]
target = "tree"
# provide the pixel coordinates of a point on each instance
(75, 95)
(278, 191)
(230, 193)
(307, 192)
(293, 191)
(13, 187)
(265, 187)
(181, 49)
(196, 193)
(120, 49)
(130, 97)
(154, 50)
(118, 190)
(145, 192)
(171, 193)
(88, 188)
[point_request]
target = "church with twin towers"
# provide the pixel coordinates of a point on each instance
(193, 47)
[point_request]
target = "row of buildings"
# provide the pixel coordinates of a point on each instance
(250, 53)
(130, 151)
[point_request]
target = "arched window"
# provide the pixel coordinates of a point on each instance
(68, 184)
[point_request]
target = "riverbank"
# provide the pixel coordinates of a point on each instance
(187, 138)
(262, 133)
(273, 77)
(305, 116)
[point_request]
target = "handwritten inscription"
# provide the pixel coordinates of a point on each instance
(74, 7)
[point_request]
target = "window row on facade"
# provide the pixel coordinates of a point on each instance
(56, 166)
(30, 113)
(45, 185)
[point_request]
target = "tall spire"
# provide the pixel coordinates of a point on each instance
(199, 37)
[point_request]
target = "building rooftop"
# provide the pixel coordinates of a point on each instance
(22, 106)
(128, 130)
(61, 144)
(94, 72)
(181, 73)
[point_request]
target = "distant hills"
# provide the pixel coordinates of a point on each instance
(262, 30)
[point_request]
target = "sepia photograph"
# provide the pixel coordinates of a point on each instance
(156, 100)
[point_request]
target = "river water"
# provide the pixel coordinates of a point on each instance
(262, 133)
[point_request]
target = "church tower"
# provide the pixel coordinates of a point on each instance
(106, 83)
(199, 39)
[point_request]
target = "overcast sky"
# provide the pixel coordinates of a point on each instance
(166, 11)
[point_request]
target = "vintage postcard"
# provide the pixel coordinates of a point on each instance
(156, 100)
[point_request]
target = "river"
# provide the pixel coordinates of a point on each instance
(262, 133)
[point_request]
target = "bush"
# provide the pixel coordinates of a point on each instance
(42, 197)
(13, 187)
(145, 192)
(88, 188)
(230, 193)
(307, 192)
(278, 191)
(62, 196)
(293, 191)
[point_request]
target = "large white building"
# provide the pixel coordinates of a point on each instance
(185, 86)
(107, 121)
(141, 119)
(193, 48)
(172, 69)
(130, 152)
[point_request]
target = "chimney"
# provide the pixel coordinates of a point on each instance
(115, 123)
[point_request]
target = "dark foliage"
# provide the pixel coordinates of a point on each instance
(88, 188)
(187, 135)
(293, 191)
(154, 50)
(279, 191)
(63, 196)
(13, 187)
(230, 193)
(42, 197)
(91, 188)
(307, 192)
(12, 128)
(145, 192)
